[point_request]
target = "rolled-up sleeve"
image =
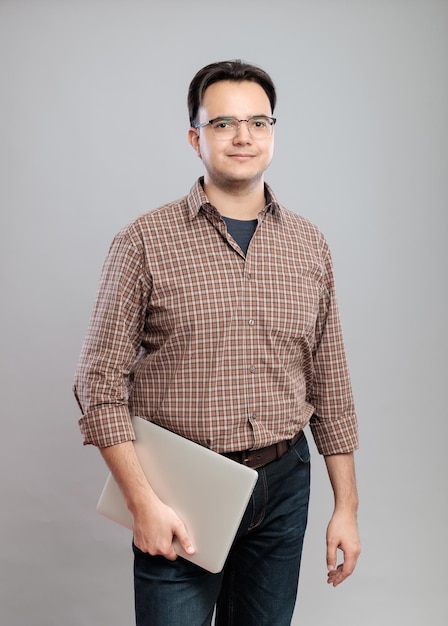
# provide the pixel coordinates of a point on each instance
(111, 345)
(334, 423)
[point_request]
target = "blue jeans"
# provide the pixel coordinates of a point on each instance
(258, 585)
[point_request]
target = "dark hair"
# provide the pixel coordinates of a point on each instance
(236, 71)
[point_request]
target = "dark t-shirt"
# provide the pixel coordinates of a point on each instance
(241, 231)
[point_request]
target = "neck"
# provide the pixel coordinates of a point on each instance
(238, 203)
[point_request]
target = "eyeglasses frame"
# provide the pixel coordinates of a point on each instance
(272, 122)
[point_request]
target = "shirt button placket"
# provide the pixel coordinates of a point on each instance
(252, 368)
(251, 323)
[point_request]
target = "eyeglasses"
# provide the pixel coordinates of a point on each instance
(259, 126)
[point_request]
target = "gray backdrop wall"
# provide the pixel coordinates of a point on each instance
(93, 132)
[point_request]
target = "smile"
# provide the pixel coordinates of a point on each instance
(242, 156)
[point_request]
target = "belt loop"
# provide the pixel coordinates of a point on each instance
(279, 449)
(294, 440)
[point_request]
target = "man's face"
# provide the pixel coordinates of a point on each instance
(237, 162)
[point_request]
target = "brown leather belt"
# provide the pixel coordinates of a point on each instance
(263, 456)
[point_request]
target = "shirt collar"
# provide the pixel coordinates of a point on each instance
(197, 200)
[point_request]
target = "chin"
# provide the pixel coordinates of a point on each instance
(242, 176)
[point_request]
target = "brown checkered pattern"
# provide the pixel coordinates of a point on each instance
(232, 352)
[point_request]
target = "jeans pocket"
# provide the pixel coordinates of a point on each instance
(301, 449)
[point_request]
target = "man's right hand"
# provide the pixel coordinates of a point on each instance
(155, 524)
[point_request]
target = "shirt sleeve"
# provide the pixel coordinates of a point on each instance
(334, 423)
(111, 345)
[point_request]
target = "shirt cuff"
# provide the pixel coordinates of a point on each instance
(335, 436)
(107, 426)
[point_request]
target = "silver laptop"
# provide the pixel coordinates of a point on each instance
(208, 491)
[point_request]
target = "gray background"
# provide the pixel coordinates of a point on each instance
(93, 132)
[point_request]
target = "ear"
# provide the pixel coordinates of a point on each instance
(193, 140)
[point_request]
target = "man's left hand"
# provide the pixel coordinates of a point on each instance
(342, 534)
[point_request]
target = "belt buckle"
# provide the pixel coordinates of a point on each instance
(245, 457)
(253, 458)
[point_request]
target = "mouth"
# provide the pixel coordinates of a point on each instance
(242, 156)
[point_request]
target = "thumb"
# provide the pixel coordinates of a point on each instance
(331, 557)
(183, 539)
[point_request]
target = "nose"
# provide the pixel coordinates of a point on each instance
(243, 134)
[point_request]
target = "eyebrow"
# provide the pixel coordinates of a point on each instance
(234, 117)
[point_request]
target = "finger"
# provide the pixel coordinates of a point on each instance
(343, 571)
(170, 553)
(184, 539)
(331, 556)
(336, 576)
(349, 564)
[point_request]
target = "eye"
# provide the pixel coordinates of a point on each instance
(223, 123)
(260, 122)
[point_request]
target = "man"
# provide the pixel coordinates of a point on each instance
(216, 317)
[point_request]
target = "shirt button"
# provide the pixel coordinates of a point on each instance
(252, 369)
(249, 275)
(251, 322)
(254, 416)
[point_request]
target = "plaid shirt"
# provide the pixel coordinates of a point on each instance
(234, 352)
